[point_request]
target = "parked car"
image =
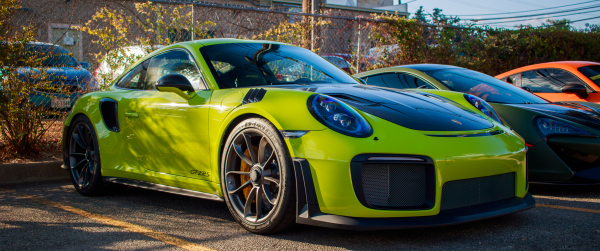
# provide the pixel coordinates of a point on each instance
(116, 61)
(236, 121)
(61, 69)
(380, 52)
(558, 81)
(562, 137)
(343, 61)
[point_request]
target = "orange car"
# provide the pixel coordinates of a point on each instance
(558, 81)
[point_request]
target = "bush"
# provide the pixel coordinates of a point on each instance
(489, 50)
(21, 122)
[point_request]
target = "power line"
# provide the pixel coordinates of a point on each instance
(512, 21)
(491, 14)
(541, 14)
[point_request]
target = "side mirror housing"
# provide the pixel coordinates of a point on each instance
(577, 89)
(85, 65)
(176, 83)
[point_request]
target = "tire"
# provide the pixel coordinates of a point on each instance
(244, 179)
(84, 158)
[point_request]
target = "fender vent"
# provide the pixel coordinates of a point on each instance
(110, 114)
(254, 95)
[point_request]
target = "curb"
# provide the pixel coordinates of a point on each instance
(16, 173)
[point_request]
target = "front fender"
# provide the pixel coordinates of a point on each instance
(285, 109)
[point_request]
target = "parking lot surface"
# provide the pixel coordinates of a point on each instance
(53, 216)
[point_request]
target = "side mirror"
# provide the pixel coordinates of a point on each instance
(526, 88)
(577, 89)
(176, 83)
(85, 65)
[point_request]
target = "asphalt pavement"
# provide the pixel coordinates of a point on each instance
(53, 216)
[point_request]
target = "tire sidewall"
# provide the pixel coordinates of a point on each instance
(286, 193)
(96, 182)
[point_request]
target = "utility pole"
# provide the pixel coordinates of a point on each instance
(193, 28)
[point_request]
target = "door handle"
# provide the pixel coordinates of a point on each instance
(131, 114)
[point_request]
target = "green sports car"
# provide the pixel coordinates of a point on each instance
(562, 137)
(282, 136)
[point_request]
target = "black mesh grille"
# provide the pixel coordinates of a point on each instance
(394, 185)
(469, 192)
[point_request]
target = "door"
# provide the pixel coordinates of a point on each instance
(169, 133)
(547, 83)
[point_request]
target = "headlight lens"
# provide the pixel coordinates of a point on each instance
(338, 116)
(483, 106)
(550, 126)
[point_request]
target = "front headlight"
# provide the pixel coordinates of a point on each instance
(338, 116)
(550, 126)
(483, 106)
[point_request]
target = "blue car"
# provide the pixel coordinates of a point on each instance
(63, 71)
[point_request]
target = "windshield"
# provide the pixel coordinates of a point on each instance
(253, 64)
(53, 56)
(484, 86)
(592, 72)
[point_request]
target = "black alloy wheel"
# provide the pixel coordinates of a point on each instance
(261, 177)
(84, 157)
(257, 179)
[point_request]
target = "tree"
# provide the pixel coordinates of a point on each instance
(22, 122)
(420, 15)
(561, 24)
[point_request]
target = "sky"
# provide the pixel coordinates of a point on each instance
(478, 9)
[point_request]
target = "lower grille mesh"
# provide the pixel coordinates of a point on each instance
(394, 185)
(469, 192)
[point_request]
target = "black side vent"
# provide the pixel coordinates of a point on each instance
(110, 114)
(254, 95)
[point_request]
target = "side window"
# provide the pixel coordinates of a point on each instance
(548, 80)
(538, 81)
(413, 82)
(176, 61)
(564, 77)
(135, 78)
(513, 79)
(375, 80)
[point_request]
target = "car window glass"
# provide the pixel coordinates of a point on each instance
(337, 61)
(411, 81)
(548, 80)
(238, 65)
(592, 72)
(484, 86)
(391, 80)
(176, 61)
(133, 79)
(375, 80)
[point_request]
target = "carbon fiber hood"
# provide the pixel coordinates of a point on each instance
(577, 112)
(411, 109)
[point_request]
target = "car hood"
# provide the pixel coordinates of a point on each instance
(573, 111)
(68, 75)
(411, 109)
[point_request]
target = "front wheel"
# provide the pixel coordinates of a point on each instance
(257, 177)
(84, 158)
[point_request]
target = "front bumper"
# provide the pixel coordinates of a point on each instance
(309, 213)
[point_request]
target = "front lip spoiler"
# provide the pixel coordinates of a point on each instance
(309, 213)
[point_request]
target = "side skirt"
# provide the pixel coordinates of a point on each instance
(163, 188)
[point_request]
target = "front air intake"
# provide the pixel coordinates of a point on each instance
(394, 182)
(394, 185)
(475, 191)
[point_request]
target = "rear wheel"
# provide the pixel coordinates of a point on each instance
(257, 177)
(84, 158)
